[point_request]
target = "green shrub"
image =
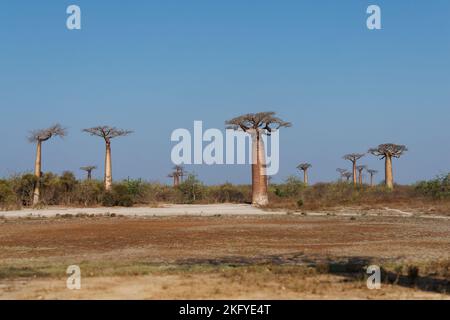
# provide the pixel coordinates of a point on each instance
(118, 196)
(438, 188)
(191, 190)
(8, 197)
(293, 187)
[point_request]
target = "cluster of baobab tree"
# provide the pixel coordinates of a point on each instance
(105, 132)
(255, 124)
(385, 151)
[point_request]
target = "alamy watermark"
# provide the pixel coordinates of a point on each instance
(210, 147)
(374, 279)
(73, 282)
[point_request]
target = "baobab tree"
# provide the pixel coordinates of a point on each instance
(177, 175)
(372, 172)
(348, 175)
(341, 172)
(38, 137)
(257, 125)
(89, 170)
(107, 133)
(388, 151)
(304, 167)
(354, 157)
(360, 169)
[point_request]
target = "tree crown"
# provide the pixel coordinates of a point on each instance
(262, 121)
(341, 171)
(361, 167)
(304, 166)
(88, 168)
(372, 171)
(107, 132)
(347, 174)
(45, 134)
(388, 150)
(353, 157)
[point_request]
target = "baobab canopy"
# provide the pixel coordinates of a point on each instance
(388, 149)
(46, 134)
(304, 166)
(107, 132)
(264, 121)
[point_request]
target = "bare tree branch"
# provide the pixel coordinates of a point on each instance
(388, 150)
(353, 157)
(304, 166)
(45, 134)
(107, 132)
(262, 121)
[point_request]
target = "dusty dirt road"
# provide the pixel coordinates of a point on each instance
(277, 256)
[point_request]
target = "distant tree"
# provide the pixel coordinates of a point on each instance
(354, 157)
(372, 172)
(304, 167)
(388, 151)
(360, 169)
(347, 175)
(107, 133)
(89, 170)
(341, 173)
(177, 175)
(38, 137)
(257, 125)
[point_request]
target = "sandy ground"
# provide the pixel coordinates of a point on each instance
(209, 210)
(216, 252)
(164, 210)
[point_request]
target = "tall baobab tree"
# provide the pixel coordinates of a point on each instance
(360, 169)
(347, 175)
(354, 157)
(341, 172)
(89, 170)
(107, 133)
(372, 172)
(388, 151)
(257, 125)
(38, 137)
(304, 167)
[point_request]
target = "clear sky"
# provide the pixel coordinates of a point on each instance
(154, 66)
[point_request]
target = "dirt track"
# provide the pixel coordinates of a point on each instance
(113, 251)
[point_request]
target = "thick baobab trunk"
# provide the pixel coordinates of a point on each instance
(371, 180)
(305, 177)
(259, 178)
(89, 173)
(388, 173)
(354, 173)
(108, 167)
(360, 178)
(37, 173)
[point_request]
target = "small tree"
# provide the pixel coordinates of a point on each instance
(347, 175)
(304, 167)
(38, 137)
(107, 133)
(257, 125)
(360, 169)
(341, 173)
(354, 157)
(372, 172)
(388, 151)
(177, 175)
(89, 170)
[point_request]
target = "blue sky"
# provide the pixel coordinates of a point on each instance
(154, 66)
